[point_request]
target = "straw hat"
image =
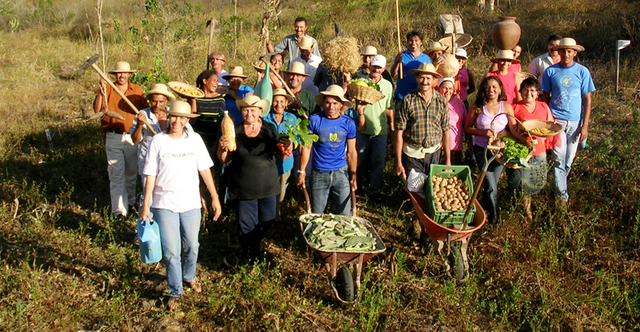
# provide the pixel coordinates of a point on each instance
(296, 68)
(122, 67)
(505, 55)
(251, 100)
(435, 46)
(160, 89)
(235, 72)
(282, 92)
(181, 108)
(462, 40)
(425, 68)
(259, 65)
(461, 53)
(369, 50)
(570, 43)
(333, 91)
(306, 43)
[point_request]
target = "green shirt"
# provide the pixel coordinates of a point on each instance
(308, 102)
(376, 115)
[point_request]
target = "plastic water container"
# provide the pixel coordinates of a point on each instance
(150, 244)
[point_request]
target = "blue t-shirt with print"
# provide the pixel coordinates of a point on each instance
(408, 82)
(287, 164)
(230, 103)
(329, 152)
(567, 85)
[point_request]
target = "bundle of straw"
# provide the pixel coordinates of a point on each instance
(342, 55)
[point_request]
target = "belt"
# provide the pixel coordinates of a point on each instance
(114, 132)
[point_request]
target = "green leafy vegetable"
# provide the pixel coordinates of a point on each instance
(298, 131)
(514, 152)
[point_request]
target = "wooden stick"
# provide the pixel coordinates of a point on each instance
(398, 26)
(135, 109)
(286, 87)
(210, 40)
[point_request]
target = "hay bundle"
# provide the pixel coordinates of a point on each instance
(342, 54)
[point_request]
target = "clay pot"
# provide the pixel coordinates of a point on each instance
(506, 33)
(450, 67)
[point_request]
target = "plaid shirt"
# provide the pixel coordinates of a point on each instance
(423, 124)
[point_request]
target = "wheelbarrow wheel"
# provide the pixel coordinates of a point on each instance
(344, 285)
(456, 263)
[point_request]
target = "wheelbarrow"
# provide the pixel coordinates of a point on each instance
(345, 288)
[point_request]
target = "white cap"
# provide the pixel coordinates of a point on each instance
(379, 60)
(461, 53)
(446, 79)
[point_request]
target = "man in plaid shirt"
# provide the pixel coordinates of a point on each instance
(422, 125)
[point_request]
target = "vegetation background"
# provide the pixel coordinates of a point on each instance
(67, 266)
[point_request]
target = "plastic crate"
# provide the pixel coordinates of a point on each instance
(448, 218)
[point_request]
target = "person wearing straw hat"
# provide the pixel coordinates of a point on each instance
(156, 117)
(410, 59)
(334, 161)
(435, 50)
(253, 174)
(542, 62)
(218, 60)
(510, 80)
(290, 43)
(515, 67)
(368, 52)
(372, 141)
(280, 119)
(120, 149)
(567, 88)
(305, 100)
(175, 158)
(236, 92)
(310, 61)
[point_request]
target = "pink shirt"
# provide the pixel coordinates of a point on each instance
(457, 118)
(509, 83)
(515, 68)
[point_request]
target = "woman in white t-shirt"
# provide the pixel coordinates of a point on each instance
(174, 160)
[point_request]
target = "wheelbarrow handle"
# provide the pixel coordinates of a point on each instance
(306, 198)
(478, 183)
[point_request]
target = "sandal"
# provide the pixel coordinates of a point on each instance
(172, 304)
(195, 285)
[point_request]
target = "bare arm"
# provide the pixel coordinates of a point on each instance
(222, 153)
(586, 116)
(305, 152)
(148, 192)
(399, 141)
(211, 187)
(395, 68)
(362, 121)
(446, 147)
(518, 82)
(390, 119)
(352, 162)
(546, 97)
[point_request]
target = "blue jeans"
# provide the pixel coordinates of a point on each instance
(179, 235)
(334, 185)
(489, 200)
(563, 157)
(372, 151)
(253, 212)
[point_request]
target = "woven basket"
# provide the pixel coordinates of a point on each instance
(365, 94)
(554, 127)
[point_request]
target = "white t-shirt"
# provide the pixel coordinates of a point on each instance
(176, 163)
(310, 68)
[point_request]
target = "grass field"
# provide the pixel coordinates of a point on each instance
(68, 266)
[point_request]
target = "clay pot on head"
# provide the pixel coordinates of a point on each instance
(450, 67)
(506, 33)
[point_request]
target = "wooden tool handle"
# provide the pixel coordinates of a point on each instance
(399, 43)
(286, 87)
(133, 107)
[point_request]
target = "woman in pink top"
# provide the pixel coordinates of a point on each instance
(489, 104)
(466, 84)
(510, 81)
(457, 117)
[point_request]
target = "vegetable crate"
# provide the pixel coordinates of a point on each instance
(449, 218)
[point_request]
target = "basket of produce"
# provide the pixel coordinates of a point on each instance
(185, 90)
(514, 155)
(449, 189)
(542, 128)
(365, 90)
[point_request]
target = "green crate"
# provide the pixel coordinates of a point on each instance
(448, 218)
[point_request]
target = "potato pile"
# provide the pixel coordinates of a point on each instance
(450, 194)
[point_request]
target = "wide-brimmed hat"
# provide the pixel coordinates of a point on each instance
(235, 72)
(505, 55)
(569, 43)
(425, 68)
(122, 67)
(181, 108)
(251, 100)
(369, 50)
(435, 46)
(461, 53)
(306, 43)
(283, 92)
(160, 89)
(296, 68)
(333, 91)
(462, 40)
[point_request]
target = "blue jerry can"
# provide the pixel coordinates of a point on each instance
(150, 244)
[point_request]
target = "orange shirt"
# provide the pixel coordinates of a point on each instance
(117, 104)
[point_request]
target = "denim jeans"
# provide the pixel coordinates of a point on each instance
(179, 235)
(334, 185)
(489, 200)
(563, 157)
(372, 151)
(252, 212)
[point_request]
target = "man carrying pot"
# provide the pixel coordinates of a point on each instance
(290, 43)
(567, 88)
(410, 59)
(120, 149)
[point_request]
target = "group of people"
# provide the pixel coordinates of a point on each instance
(172, 144)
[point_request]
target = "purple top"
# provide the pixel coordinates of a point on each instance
(483, 121)
(463, 78)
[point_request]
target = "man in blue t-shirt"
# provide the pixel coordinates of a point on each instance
(335, 158)
(567, 88)
(410, 60)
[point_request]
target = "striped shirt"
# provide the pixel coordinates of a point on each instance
(423, 124)
(207, 124)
